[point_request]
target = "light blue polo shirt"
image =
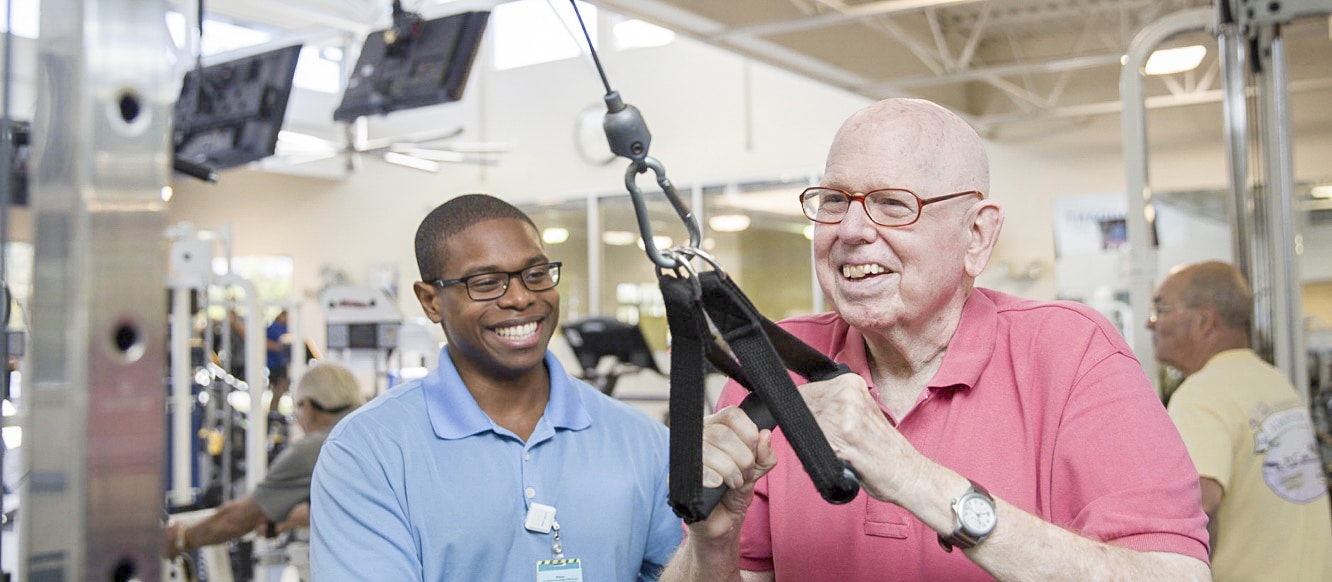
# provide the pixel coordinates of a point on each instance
(420, 484)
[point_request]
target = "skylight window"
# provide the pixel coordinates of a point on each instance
(319, 69)
(26, 16)
(633, 33)
(529, 32)
(221, 37)
(218, 36)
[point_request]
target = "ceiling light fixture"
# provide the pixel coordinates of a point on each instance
(1175, 60)
(554, 235)
(660, 241)
(729, 222)
(1323, 192)
(618, 238)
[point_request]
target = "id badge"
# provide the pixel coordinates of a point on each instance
(570, 570)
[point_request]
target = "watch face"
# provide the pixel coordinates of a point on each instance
(977, 514)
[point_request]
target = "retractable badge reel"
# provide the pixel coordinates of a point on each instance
(541, 519)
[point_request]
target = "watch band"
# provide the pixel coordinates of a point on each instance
(960, 537)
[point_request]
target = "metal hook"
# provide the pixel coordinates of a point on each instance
(645, 223)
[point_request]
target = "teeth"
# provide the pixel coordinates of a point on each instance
(860, 271)
(517, 331)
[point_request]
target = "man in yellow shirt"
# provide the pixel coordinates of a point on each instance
(1246, 428)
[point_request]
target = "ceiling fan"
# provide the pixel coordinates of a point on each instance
(426, 151)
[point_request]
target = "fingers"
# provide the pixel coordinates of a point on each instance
(729, 442)
(169, 547)
(173, 532)
(736, 453)
(861, 434)
(842, 405)
(844, 388)
(765, 458)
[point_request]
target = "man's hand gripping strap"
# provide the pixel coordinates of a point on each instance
(774, 400)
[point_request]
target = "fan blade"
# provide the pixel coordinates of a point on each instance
(447, 156)
(475, 147)
(376, 145)
(411, 162)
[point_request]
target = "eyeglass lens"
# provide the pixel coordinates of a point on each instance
(886, 207)
(492, 285)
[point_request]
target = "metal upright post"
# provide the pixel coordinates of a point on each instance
(91, 506)
(1271, 241)
(594, 254)
(1140, 219)
(1285, 294)
(1235, 124)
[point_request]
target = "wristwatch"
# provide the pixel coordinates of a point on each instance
(974, 516)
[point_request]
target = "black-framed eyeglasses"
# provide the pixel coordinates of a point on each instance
(489, 286)
(886, 207)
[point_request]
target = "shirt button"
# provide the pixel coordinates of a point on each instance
(527, 456)
(530, 492)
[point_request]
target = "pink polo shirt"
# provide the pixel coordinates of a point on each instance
(1042, 403)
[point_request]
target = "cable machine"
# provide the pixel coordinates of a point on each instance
(1257, 127)
(92, 496)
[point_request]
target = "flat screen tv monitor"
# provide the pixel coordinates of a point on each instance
(230, 113)
(426, 64)
(594, 338)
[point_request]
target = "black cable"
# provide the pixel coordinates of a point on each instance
(198, 55)
(591, 48)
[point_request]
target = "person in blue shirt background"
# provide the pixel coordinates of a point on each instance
(279, 359)
(498, 465)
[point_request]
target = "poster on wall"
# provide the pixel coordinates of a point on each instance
(1092, 254)
(1091, 224)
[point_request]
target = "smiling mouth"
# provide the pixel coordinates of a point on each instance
(855, 272)
(517, 332)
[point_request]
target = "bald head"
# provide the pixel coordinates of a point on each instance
(912, 144)
(1219, 286)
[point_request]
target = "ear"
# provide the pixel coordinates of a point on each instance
(427, 294)
(1207, 319)
(985, 221)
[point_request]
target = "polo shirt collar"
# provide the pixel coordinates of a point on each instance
(968, 352)
(454, 414)
(972, 345)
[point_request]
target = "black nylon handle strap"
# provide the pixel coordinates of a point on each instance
(726, 364)
(796, 355)
(739, 324)
(799, 356)
(689, 332)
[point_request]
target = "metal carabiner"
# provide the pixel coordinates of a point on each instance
(684, 269)
(698, 252)
(645, 223)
